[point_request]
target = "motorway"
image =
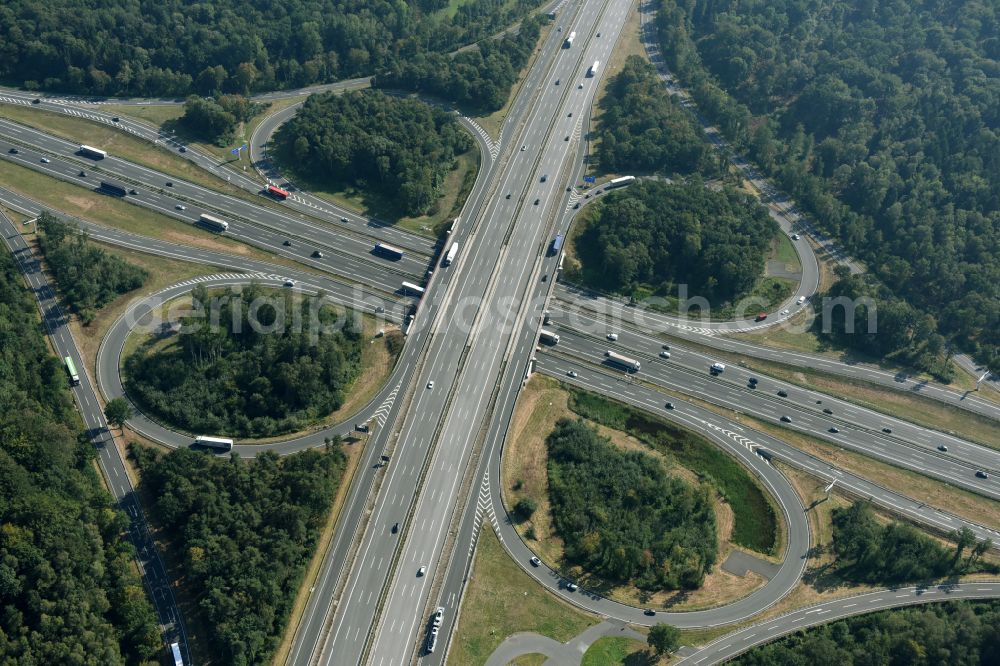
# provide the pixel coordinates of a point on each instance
(109, 458)
(348, 255)
(860, 428)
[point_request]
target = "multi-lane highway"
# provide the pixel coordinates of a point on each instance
(430, 474)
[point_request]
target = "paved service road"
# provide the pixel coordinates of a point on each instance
(108, 456)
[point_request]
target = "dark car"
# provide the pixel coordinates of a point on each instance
(287, 243)
(317, 254)
(536, 201)
(942, 447)
(783, 393)
(83, 174)
(981, 474)
(786, 419)
(670, 405)
(183, 149)
(887, 430)
(170, 183)
(115, 119)
(13, 151)
(827, 410)
(649, 611)
(834, 429)
(36, 101)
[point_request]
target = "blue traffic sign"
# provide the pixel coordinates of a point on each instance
(590, 179)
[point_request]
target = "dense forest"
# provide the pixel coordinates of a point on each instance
(755, 523)
(246, 377)
(402, 148)
(245, 530)
(957, 634)
(622, 517)
(69, 592)
(882, 119)
(478, 79)
(174, 47)
(88, 276)
(885, 554)
(660, 235)
(642, 127)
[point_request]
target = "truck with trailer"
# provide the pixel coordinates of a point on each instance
(569, 40)
(450, 256)
(213, 223)
(620, 182)
(412, 289)
(74, 376)
(593, 68)
(548, 337)
(92, 153)
(557, 244)
(389, 251)
(628, 364)
(113, 188)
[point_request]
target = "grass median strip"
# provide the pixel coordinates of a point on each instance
(500, 600)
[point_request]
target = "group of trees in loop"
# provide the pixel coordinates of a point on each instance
(957, 633)
(268, 365)
(402, 148)
(623, 517)
(215, 119)
(882, 119)
(174, 48)
(479, 79)
(69, 591)
(88, 276)
(244, 531)
(642, 127)
(658, 235)
(870, 552)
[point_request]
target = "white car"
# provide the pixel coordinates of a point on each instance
(572, 373)
(664, 354)
(180, 207)
(438, 617)
(421, 571)
(572, 587)
(796, 237)
(535, 562)
(523, 148)
(45, 160)
(784, 312)
(613, 337)
(801, 300)
(430, 384)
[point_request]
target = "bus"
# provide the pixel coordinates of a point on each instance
(74, 377)
(175, 652)
(557, 244)
(277, 192)
(410, 288)
(621, 182)
(220, 443)
(93, 153)
(593, 68)
(388, 250)
(450, 257)
(213, 222)
(548, 337)
(629, 364)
